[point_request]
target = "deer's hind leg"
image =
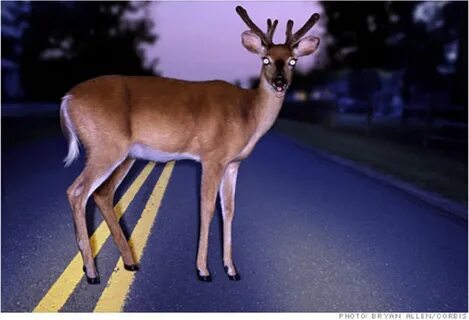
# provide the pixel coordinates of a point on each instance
(103, 197)
(99, 166)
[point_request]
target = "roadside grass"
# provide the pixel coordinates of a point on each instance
(425, 168)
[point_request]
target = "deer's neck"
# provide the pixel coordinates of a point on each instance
(267, 106)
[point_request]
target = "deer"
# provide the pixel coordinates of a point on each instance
(118, 119)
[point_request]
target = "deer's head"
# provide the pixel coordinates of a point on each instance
(278, 60)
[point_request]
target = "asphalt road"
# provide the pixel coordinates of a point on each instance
(309, 235)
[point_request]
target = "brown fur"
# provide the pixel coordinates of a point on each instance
(145, 110)
(214, 121)
(211, 121)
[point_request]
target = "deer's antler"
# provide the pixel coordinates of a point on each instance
(267, 37)
(291, 40)
(271, 29)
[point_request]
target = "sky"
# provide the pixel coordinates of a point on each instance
(202, 40)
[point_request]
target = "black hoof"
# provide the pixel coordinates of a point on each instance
(132, 267)
(236, 277)
(203, 278)
(94, 280)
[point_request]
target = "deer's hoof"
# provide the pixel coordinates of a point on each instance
(131, 267)
(235, 277)
(203, 278)
(94, 280)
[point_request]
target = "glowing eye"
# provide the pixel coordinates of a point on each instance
(292, 62)
(265, 61)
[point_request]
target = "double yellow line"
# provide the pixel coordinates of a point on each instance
(113, 296)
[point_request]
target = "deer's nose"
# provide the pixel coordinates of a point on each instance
(280, 81)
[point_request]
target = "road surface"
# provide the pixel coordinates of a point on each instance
(309, 235)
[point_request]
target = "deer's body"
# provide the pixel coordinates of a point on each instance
(120, 118)
(153, 123)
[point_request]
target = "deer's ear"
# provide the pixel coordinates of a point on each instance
(252, 42)
(306, 46)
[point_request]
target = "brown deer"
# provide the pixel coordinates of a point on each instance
(120, 118)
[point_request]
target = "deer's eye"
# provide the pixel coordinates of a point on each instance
(265, 61)
(292, 62)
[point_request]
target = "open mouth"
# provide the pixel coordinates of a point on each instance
(279, 90)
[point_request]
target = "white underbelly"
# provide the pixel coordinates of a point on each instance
(141, 151)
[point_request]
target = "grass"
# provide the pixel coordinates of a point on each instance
(425, 168)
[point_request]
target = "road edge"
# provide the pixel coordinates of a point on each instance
(446, 205)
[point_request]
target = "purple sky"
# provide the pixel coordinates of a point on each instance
(202, 40)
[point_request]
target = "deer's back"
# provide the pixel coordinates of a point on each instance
(162, 113)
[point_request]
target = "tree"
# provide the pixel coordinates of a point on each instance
(456, 21)
(68, 42)
(414, 36)
(12, 31)
(367, 35)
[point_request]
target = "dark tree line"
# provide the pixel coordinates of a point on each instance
(64, 43)
(386, 35)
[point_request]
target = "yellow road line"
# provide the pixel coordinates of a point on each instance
(63, 287)
(113, 297)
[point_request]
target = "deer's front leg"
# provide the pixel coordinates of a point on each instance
(211, 176)
(227, 197)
